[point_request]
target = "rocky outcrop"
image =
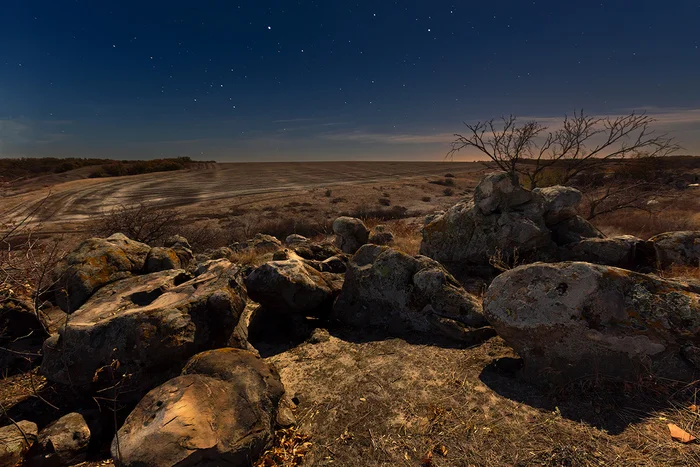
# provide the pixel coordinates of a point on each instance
(291, 286)
(220, 411)
(388, 289)
(350, 234)
(95, 263)
(505, 220)
(146, 327)
(63, 442)
(677, 248)
(15, 441)
(574, 319)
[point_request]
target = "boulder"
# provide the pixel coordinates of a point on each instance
(559, 202)
(680, 248)
(162, 259)
(61, 443)
(380, 235)
(618, 251)
(350, 234)
(295, 239)
(94, 263)
(574, 319)
(261, 243)
(388, 289)
(291, 286)
(177, 241)
(498, 192)
(17, 318)
(220, 411)
(146, 327)
(15, 441)
(223, 252)
(572, 230)
(315, 251)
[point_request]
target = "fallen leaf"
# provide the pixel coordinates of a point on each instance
(441, 449)
(693, 408)
(679, 434)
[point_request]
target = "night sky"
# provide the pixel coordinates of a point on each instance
(309, 80)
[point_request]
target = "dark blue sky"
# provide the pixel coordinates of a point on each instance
(307, 80)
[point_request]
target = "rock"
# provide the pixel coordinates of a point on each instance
(95, 263)
(295, 239)
(559, 202)
(618, 251)
(260, 243)
(15, 441)
(504, 220)
(290, 286)
(350, 234)
(162, 259)
(315, 251)
(388, 289)
(463, 234)
(680, 248)
(498, 192)
(574, 320)
(220, 411)
(380, 235)
(223, 252)
(319, 335)
(63, 442)
(177, 241)
(17, 318)
(572, 230)
(148, 324)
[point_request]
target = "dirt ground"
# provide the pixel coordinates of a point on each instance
(221, 187)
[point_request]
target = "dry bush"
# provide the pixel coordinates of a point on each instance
(448, 192)
(448, 181)
(407, 237)
(365, 212)
(384, 201)
(142, 222)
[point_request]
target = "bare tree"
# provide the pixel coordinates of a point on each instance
(581, 144)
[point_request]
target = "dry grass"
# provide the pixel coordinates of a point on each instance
(682, 213)
(391, 403)
(682, 272)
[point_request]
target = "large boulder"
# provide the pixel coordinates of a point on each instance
(505, 220)
(621, 251)
(559, 202)
(162, 259)
(94, 263)
(350, 233)
(291, 286)
(220, 411)
(572, 230)
(146, 327)
(15, 441)
(498, 192)
(677, 248)
(63, 442)
(575, 319)
(388, 289)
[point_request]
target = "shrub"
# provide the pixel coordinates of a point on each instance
(426, 199)
(443, 182)
(448, 192)
(385, 201)
(141, 222)
(329, 192)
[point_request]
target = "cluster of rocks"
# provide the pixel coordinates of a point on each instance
(503, 219)
(167, 333)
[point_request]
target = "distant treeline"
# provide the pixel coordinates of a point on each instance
(27, 167)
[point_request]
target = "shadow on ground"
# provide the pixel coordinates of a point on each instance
(608, 405)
